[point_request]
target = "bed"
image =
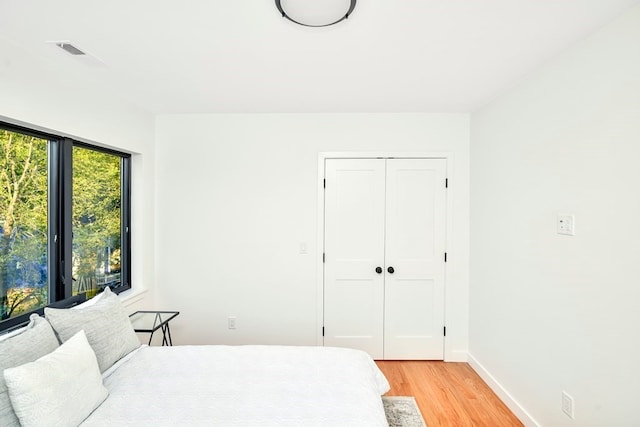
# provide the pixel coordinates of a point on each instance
(243, 386)
(111, 380)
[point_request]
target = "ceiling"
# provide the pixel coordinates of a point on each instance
(214, 56)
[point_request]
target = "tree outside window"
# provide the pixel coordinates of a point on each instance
(23, 223)
(96, 220)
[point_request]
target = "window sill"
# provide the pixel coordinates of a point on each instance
(131, 296)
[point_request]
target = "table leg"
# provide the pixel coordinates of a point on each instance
(169, 333)
(166, 335)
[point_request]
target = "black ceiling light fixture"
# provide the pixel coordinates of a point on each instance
(316, 13)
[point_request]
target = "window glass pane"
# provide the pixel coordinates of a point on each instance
(23, 223)
(96, 200)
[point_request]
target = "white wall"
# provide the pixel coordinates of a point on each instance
(237, 193)
(548, 312)
(38, 94)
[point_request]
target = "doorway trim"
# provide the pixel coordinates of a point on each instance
(322, 156)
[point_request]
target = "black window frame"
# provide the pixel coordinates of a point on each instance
(60, 193)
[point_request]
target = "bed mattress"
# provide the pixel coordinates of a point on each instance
(243, 386)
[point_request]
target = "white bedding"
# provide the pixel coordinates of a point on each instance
(243, 386)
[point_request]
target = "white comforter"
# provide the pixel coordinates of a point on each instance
(243, 386)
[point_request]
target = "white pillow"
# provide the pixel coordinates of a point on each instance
(61, 388)
(91, 301)
(24, 345)
(105, 323)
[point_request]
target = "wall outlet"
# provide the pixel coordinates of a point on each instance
(567, 404)
(566, 225)
(231, 322)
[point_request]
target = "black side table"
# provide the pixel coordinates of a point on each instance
(151, 321)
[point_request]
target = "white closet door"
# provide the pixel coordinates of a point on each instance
(354, 247)
(415, 246)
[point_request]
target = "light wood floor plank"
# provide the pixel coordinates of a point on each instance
(448, 394)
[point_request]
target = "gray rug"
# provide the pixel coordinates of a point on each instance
(402, 411)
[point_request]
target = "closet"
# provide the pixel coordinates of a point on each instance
(384, 256)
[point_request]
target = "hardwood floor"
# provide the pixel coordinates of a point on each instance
(448, 394)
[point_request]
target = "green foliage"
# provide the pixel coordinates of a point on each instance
(96, 212)
(23, 220)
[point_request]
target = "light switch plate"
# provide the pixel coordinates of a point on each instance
(567, 404)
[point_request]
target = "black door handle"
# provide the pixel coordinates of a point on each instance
(378, 270)
(390, 270)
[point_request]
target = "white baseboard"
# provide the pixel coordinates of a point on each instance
(502, 393)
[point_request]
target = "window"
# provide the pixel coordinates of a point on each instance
(64, 221)
(97, 221)
(24, 283)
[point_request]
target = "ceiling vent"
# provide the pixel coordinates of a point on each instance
(75, 52)
(69, 48)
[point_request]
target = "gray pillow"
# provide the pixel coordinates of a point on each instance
(105, 324)
(27, 345)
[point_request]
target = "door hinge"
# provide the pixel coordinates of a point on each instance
(445, 331)
(324, 183)
(446, 183)
(323, 331)
(445, 257)
(323, 257)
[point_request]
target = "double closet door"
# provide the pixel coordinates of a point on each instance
(385, 257)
